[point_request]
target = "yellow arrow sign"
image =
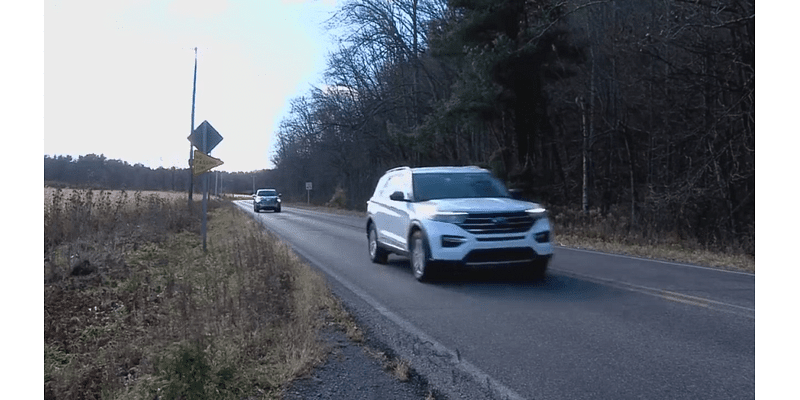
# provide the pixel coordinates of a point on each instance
(203, 162)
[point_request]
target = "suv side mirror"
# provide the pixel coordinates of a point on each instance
(397, 196)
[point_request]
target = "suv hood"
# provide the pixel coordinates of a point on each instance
(490, 204)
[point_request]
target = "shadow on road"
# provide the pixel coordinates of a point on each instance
(510, 283)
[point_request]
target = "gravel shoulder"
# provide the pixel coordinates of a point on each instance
(353, 371)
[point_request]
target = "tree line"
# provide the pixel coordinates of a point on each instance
(643, 110)
(98, 172)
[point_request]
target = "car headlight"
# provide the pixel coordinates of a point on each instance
(432, 213)
(450, 217)
(537, 213)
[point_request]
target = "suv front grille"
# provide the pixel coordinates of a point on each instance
(497, 223)
(499, 256)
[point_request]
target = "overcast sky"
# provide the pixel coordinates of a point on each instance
(118, 75)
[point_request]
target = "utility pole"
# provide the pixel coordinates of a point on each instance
(191, 152)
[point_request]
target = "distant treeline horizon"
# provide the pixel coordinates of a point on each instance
(94, 171)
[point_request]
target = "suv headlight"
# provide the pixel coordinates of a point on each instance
(431, 213)
(450, 217)
(537, 212)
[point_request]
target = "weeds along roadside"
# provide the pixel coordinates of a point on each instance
(613, 233)
(135, 309)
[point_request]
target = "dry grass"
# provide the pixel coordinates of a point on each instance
(150, 314)
(397, 367)
(665, 252)
(400, 369)
(614, 234)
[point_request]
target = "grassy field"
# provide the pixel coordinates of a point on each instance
(134, 309)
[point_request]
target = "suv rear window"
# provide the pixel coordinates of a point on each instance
(431, 186)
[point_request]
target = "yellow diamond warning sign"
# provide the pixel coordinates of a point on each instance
(203, 163)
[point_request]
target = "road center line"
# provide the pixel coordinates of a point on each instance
(667, 295)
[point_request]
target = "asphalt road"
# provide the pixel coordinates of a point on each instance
(598, 327)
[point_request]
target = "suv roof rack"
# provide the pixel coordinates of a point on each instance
(398, 169)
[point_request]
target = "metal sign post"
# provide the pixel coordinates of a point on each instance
(308, 192)
(205, 138)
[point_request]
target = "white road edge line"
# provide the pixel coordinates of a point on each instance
(465, 366)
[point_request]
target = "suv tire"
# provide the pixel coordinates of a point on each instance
(377, 254)
(420, 264)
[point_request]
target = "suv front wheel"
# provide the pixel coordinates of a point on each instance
(376, 253)
(419, 257)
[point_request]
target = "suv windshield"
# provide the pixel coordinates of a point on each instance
(430, 186)
(267, 193)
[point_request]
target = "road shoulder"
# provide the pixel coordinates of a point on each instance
(353, 371)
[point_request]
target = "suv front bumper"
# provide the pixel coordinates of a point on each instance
(266, 205)
(449, 242)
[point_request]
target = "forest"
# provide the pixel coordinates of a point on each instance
(638, 111)
(642, 111)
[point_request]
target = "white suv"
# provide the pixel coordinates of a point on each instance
(267, 199)
(462, 215)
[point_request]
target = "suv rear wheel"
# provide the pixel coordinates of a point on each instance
(376, 253)
(419, 257)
